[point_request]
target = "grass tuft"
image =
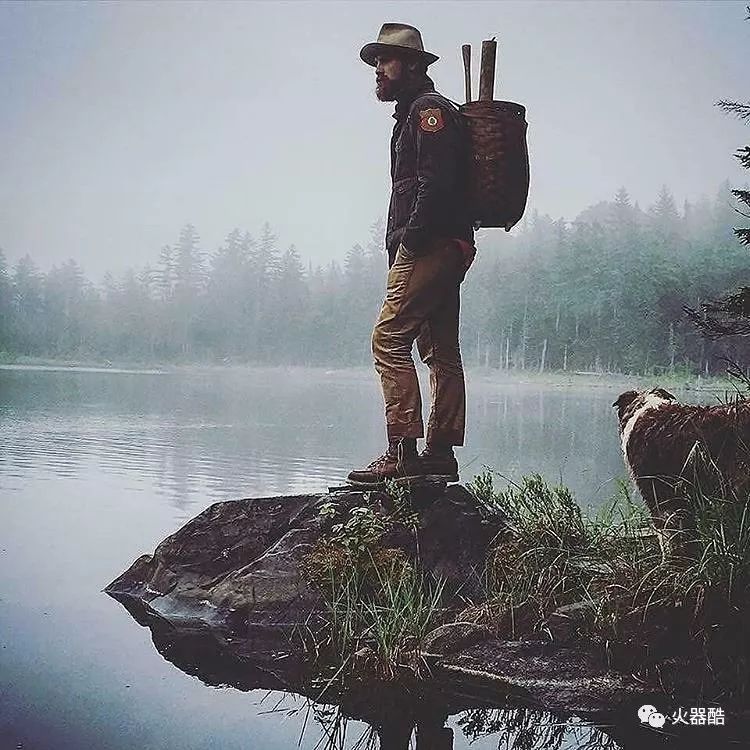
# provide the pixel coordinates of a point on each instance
(684, 619)
(681, 619)
(378, 606)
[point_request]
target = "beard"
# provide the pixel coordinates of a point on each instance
(388, 89)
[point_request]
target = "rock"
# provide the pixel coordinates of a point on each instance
(224, 595)
(562, 625)
(454, 636)
(234, 567)
(556, 678)
(454, 539)
(238, 567)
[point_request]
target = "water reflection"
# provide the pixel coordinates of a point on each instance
(533, 730)
(199, 436)
(433, 729)
(424, 715)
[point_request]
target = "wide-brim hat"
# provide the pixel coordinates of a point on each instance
(396, 37)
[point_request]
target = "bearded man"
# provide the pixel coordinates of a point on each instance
(430, 244)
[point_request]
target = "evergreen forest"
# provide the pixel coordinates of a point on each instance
(605, 292)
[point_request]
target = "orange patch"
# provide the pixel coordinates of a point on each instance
(431, 120)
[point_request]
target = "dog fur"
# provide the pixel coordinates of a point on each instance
(673, 450)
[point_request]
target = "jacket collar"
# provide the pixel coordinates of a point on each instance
(403, 103)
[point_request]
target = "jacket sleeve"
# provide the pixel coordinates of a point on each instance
(438, 142)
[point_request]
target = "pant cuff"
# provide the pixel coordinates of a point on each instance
(405, 430)
(445, 437)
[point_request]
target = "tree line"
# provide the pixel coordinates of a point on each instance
(604, 292)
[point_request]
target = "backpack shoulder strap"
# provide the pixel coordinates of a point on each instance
(433, 94)
(454, 108)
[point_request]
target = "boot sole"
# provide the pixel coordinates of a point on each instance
(416, 480)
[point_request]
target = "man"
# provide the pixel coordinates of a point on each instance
(430, 247)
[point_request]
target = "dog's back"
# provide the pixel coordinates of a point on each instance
(671, 448)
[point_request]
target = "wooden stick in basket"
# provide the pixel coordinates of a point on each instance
(466, 50)
(487, 71)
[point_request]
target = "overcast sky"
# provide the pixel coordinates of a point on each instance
(120, 122)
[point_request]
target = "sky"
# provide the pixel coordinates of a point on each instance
(121, 122)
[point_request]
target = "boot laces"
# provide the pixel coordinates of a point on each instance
(380, 461)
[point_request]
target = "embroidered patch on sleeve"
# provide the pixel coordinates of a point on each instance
(431, 120)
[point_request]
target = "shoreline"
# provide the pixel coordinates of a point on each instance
(483, 375)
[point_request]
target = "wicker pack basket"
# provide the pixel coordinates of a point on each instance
(499, 174)
(499, 171)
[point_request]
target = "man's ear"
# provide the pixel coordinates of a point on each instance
(413, 64)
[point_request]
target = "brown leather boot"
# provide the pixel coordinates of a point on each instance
(439, 460)
(400, 461)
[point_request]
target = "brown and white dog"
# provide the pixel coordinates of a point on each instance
(673, 450)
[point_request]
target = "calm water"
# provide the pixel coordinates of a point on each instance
(96, 468)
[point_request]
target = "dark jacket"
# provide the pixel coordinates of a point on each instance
(429, 162)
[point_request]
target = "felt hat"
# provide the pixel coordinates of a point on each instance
(396, 37)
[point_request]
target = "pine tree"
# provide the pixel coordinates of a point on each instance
(263, 270)
(291, 303)
(166, 272)
(6, 305)
(189, 273)
(730, 315)
(28, 296)
(743, 156)
(665, 220)
(189, 284)
(225, 328)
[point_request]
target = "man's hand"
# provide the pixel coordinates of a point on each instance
(468, 252)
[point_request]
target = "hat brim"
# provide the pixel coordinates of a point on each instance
(370, 51)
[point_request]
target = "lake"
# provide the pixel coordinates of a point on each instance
(98, 467)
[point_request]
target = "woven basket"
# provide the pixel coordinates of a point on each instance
(499, 179)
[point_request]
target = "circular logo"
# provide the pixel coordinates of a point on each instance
(431, 120)
(644, 712)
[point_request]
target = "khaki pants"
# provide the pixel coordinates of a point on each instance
(422, 304)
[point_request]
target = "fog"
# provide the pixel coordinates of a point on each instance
(120, 122)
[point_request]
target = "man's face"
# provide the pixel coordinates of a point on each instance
(389, 77)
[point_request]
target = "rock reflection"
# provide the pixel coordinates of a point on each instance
(399, 716)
